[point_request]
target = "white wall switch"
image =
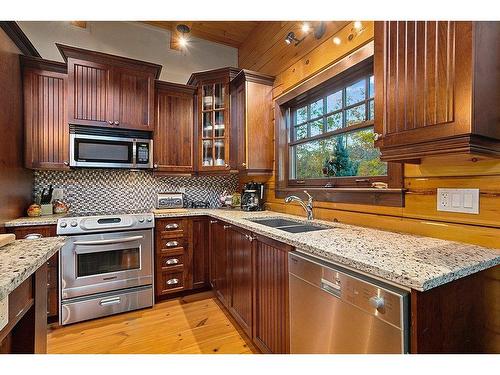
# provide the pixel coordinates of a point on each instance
(4, 312)
(458, 200)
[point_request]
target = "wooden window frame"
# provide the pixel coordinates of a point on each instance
(355, 189)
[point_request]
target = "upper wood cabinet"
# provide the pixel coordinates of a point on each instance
(174, 128)
(213, 132)
(108, 90)
(252, 145)
(45, 114)
(437, 88)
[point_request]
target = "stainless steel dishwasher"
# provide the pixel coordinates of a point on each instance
(335, 310)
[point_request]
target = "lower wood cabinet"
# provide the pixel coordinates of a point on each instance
(249, 274)
(52, 265)
(200, 234)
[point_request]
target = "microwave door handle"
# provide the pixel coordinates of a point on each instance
(107, 242)
(134, 153)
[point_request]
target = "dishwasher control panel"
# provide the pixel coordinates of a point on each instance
(357, 290)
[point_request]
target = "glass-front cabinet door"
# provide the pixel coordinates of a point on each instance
(214, 151)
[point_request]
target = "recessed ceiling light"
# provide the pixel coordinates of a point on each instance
(183, 41)
(305, 27)
(358, 25)
(336, 40)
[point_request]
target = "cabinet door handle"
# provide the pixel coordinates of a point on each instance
(213, 221)
(155, 165)
(227, 226)
(117, 123)
(66, 163)
(377, 136)
(249, 237)
(172, 226)
(243, 165)
(110, 122)
(172, 244)
(172, 261)
(172, 281)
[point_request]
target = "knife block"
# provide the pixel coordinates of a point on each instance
(46, 209)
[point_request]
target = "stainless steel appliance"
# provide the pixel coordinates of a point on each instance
(169, 200)
(335, 310)
(97, 147)
(105, 266)
(252, 197)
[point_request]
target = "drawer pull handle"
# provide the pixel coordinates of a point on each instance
(172, 226)
(172, 261)
(172, 244)
(213, 221)
(227, 226)
(110, 301)
(172, 281)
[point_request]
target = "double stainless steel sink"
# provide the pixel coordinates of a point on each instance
(287, 225)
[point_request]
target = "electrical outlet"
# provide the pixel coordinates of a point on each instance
(458, 200)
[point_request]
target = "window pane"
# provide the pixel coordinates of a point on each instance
(372, 87)
(355, 93)
(372, 110)
(355, 115)
(334, 122)
(317, 109)
(310, 157)
(316, 127)
(300, 132)
(334, 102)
(364, 157)
(301, 115)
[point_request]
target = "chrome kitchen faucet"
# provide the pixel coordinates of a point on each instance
(307, 207)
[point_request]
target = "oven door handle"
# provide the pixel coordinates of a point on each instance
(107, 242)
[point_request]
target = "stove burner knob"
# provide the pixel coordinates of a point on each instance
(73, 224)
(63, 224)
(150, 219)
(141, 220)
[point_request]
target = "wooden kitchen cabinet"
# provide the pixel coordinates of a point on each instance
(213, 130)
(239, 244)
(437, 88)
(220, 262)
(174, 128)
(45, 114)
(252, 138)
(200, 235)
(110, 91)
(271, 328)
(52, 265)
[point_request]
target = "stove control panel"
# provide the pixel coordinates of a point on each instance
(104, 223)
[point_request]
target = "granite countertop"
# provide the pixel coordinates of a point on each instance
(34, 221)
(21, 258)
(407, 260)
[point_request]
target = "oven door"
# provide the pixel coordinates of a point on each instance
(96, 263)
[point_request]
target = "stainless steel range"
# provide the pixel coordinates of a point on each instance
(106, 265)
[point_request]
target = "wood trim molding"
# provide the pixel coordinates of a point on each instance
(19, 38)
(204, 75)
(42, 64)
(252, 76)
(89, 55)
(177, 87)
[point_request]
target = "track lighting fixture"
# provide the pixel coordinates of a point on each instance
(291, 38)
(319, 31)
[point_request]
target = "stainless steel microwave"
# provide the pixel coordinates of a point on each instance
(95, 147)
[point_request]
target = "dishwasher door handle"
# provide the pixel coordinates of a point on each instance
(331, 288)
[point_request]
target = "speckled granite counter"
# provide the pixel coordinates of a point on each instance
(20, 259)
(410, 261)
(29, 221)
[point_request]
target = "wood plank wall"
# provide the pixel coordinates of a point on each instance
(15, 181)
(419, 216)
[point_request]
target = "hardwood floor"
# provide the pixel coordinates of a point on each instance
(193, 324)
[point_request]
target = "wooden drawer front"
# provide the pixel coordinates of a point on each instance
(171, 282)
(173, 260)
(168, 244)
(172, 228)
(20, 300)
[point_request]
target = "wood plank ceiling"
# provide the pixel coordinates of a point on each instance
(231, 33)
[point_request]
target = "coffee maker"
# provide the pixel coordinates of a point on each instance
(252, 197)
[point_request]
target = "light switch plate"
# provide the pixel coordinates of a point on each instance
(4, 312)
(458, 200)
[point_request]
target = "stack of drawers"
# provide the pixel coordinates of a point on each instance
(173, 256)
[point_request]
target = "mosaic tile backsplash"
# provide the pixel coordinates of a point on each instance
(103, 190)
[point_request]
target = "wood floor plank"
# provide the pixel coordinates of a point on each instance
(189, 325)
